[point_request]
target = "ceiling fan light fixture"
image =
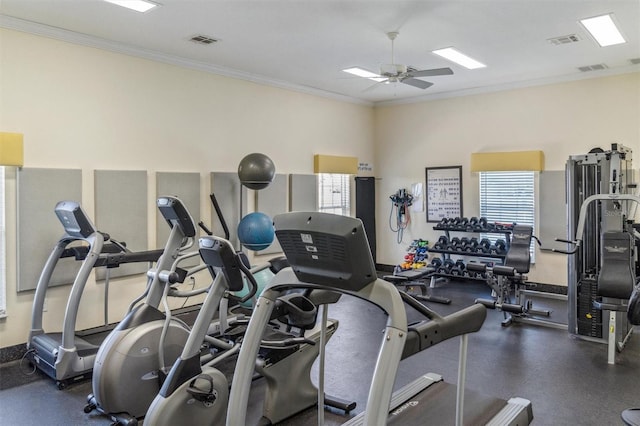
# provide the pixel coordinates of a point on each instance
(459, 58)
(137, 5)
(604, 30)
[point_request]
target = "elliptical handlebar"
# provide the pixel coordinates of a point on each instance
(251, 280)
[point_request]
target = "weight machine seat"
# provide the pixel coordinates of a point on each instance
(617, 277)
(519, 256)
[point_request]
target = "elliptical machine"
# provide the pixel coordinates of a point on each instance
(198, 395)
(128, 367)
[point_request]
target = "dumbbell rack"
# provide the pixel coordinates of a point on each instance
(467, 247)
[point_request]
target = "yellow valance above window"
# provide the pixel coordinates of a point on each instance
(507, 161)
(335, 164)
(11, 149)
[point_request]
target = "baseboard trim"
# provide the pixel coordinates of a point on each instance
(12, 353)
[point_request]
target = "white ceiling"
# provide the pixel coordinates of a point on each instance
(304, 44)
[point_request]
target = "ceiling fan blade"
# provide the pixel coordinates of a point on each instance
(374, 85)
(420, 84)
(430, 73)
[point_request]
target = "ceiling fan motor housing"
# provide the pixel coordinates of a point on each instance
(392, 70)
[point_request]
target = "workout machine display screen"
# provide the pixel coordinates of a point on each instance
(326, 249)
(73, 218)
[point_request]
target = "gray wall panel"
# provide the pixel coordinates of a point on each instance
(121, 211)
(553, 209)
(303, 193)
(38, 192)
(272, 201)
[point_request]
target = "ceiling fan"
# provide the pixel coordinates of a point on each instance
(398, 73)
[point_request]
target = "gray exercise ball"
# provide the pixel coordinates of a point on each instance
(256, 171)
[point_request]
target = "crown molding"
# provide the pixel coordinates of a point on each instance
(17, 24)
(513, 85)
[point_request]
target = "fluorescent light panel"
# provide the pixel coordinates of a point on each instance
(137, 5)
(459, 58)
(364, 73)
(603, 30)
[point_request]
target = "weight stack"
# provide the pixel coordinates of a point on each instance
(589, 318)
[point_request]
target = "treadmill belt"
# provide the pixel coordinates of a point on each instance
(436, 405)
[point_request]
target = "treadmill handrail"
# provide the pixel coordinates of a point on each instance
(379, 292)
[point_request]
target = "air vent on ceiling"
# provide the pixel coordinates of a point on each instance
(596, 67)
(203, 39)
(635, 61)
(571, 38)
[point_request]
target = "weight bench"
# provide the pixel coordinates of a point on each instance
(416, 278)
(510, 277)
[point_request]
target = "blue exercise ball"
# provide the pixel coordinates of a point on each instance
(256, 171)
(256, 231)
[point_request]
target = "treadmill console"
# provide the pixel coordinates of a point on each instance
(326, 249)
(176, 214)
(75, 221)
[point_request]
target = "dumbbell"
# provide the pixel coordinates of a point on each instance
(458, 268)
(474, 224)
(484, 246)
(444, 222)
(500, 246)
(436, 262)
(447, 266)
(454, 244)
(442, 243)
(464, 242)
(472, 246)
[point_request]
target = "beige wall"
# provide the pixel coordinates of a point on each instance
(80, 107)
(560, 119)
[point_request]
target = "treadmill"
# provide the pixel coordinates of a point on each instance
(330, 252)
(68, 356)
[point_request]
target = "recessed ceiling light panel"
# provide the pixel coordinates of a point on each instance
(459, 58)
(604, 30)
(137, 5)
(364, 73)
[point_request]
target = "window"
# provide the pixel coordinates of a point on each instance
(3, 275)
(508, 197)
(334, 193)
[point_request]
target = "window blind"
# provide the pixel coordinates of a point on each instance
(334, 193)
(3, 251)
(508, 197)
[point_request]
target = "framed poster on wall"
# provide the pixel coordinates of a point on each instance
(444, 192)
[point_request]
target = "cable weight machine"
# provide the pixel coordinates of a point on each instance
(602, 265)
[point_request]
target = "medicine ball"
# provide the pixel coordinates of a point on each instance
(256, 171)
(256, 231)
